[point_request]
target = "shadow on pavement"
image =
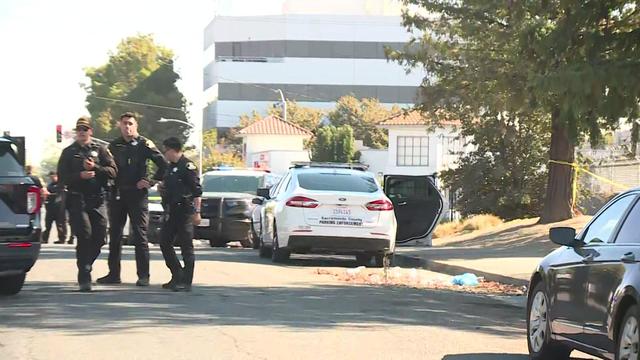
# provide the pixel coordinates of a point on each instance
(49, 305)
(203, 253)
(491, 357)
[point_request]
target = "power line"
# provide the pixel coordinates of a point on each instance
(135, 103)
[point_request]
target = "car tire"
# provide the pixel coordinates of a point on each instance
(630, 321)
(539, 341)
(247, 242)
(12, 284)
(217, 243)
(278, 255)
(384, 260)
(364, 259)
(255, 241)
(264, 251)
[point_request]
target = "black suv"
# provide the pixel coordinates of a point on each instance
(19, 218)
(227, 204)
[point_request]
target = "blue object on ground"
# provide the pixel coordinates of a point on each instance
(466, 279)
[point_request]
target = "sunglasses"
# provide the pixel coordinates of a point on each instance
(82, 128)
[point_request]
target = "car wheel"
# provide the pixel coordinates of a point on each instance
(11, 285)
(278, 255)
(255, 241)
(364, 259)
(247, 242)
(384, 260)
(541, 346)
(218, 243)
(628, 336)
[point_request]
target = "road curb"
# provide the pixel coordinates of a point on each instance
(436, 266)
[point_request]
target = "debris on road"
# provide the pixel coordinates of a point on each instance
(418, 279)
(466, 279)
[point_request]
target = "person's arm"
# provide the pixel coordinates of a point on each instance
(106, 165)
(156, 156)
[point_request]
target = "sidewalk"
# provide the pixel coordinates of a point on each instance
(508, 253)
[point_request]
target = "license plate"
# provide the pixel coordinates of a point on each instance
(341, 211)
(204, 222)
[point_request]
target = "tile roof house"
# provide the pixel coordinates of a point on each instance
(273, 143)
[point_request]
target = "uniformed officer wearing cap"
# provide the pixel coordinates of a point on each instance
(84, 168)
(129, 197)
(181, 193)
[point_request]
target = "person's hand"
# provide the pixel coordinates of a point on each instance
(143, 184)
(197, 219)
(86, 175)
(89, 164)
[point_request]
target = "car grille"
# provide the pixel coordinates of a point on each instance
(211, 208)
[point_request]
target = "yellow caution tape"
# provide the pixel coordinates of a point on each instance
(574, 186)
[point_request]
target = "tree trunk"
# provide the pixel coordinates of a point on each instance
(557, 205)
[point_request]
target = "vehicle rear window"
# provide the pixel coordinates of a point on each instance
(337, 182)
(9, 165)
(231, 183)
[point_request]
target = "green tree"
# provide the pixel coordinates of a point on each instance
(363, 116)
(306, 117)
(574, 62)
(333, 144)
(504, 175)
(139, 76)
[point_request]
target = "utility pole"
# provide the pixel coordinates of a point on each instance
(284, 104)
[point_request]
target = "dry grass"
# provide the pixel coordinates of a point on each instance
(477, 222)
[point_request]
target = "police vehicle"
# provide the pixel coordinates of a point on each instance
(20, 223)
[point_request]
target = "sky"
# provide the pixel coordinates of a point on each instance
(47, 44)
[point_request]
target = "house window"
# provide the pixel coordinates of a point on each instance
(413, 151)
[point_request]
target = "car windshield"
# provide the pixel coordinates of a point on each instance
(9, 166)
(338, 182)
(231, 183)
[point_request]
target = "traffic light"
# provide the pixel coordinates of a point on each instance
(59, 133)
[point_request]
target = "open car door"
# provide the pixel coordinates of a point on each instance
(417, 204)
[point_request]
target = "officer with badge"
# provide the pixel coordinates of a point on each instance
(181, 193)
(129, 197)
(85, 168)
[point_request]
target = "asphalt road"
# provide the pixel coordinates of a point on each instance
(244, 307)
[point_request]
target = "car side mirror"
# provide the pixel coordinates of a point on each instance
(565, 236)
(257, 201)
(263, 193)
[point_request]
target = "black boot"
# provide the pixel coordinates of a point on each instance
(109, 280)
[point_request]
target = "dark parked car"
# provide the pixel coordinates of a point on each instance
(585, 295)
(19, 218)
(227, 204)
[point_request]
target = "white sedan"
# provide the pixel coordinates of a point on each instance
(327, 210)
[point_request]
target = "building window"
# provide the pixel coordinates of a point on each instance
(413, 151)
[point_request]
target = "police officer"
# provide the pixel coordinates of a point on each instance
(181, 193)
(55, 211)
(85, 167)
(129, 197)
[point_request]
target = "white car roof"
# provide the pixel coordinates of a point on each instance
(320, 170)
(255, 173)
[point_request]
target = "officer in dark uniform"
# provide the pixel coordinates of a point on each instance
(181, 193)
(84, 168)
(55, 211)
(129, 197)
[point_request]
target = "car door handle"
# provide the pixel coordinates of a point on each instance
(628, 258)
(587, 259)
(403, 203)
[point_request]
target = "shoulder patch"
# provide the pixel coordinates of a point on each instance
(150, 144)
(191, 166)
